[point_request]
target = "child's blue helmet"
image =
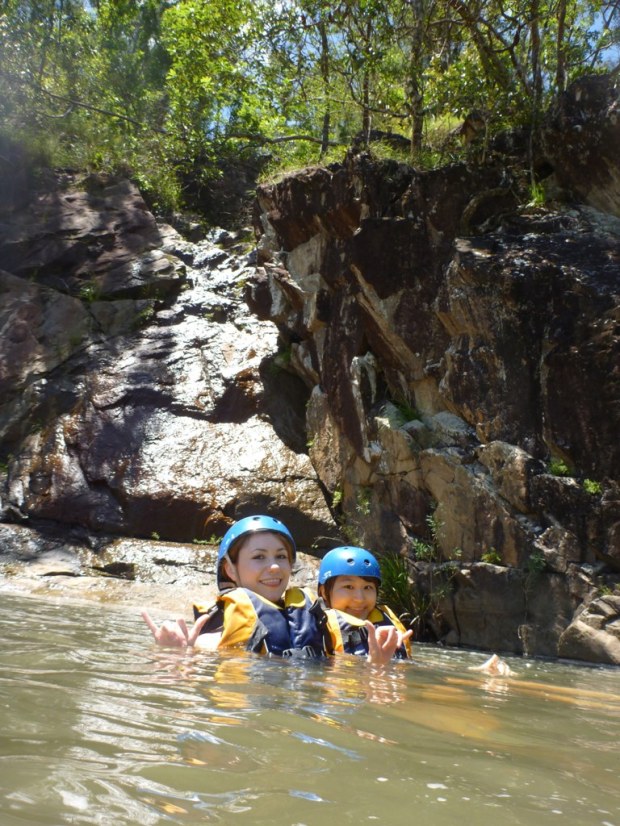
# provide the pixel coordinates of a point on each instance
(348, 561)
(248, 525)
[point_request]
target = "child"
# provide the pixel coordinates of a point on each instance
(260, 612)
(349, 580)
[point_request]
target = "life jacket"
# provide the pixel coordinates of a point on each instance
(350, 634)
(297, 628)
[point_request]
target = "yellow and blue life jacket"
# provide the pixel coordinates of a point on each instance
(297, 628)
(350, 634)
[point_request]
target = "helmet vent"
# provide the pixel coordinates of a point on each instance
(348, 561)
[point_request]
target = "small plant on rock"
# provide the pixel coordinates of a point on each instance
(363, 498)
(407, 412)
(212, 540)
(423, 551)
(592, 487)
(557, 467)
(492, 557)
(536, 563)
(435, 580)
(351, 533)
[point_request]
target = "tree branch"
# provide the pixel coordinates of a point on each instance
(89, 107)
(258, 138)
(72, 104)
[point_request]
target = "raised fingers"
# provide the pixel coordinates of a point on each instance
(197, 628)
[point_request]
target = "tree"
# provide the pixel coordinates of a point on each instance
(167, 88)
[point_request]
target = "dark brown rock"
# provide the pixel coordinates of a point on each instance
(581, 140)
(92, 238)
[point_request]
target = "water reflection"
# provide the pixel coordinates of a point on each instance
(99, 726)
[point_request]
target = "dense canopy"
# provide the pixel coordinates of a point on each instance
(169, 91)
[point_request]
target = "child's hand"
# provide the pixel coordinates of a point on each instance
(403, 637)
(175, 633)
(383, 642)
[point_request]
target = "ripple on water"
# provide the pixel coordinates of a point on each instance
(100, 726)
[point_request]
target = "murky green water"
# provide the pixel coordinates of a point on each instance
(98, 726)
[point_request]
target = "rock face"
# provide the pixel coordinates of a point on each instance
(426, 368)
(138, 395)
(459, 354)
(581, 142)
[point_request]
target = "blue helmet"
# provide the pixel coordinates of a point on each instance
(248, 525)
(348, 561)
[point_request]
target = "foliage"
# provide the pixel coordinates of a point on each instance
(427, 550)
(167, 90)
(89, 292)
(397, 590)
(363, 501)
(211, 540)
(492, 557)
(144, 315)
(431, 587)
(351, 532)
(592, 487)
(536, 563)
(535, 566)
(422, 550)
(406, 411)
(557, 467)
(537, 194)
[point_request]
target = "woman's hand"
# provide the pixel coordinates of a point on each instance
(383, 642)
(175, 633)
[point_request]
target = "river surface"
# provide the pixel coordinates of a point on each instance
(99, 726)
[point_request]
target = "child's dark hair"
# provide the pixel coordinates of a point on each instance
(328, 586)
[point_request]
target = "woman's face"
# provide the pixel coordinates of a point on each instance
(354, 595)
(263, 565)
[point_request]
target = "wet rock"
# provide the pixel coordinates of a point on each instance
(55, 563)
(93, 237)
(581, 139)
(595, 635)
(457, 348)
(148, 417)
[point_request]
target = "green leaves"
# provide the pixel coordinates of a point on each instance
(166, 87)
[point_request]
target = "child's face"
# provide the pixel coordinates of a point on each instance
(263, 565)
(353, 595)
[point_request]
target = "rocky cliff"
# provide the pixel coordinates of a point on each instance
(413, 361)
(462, 358)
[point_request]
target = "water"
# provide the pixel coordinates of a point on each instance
(99, 726)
